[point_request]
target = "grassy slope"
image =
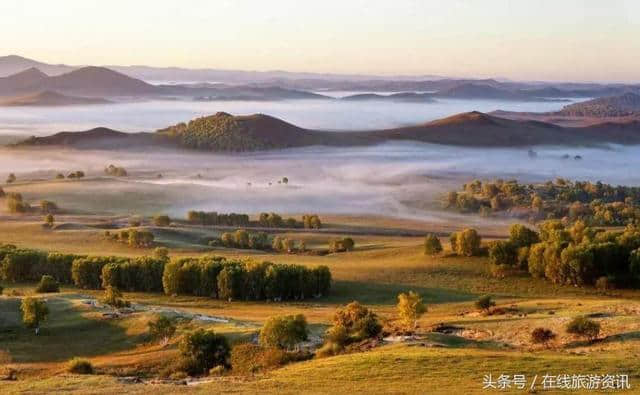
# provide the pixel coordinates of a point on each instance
(374, 273)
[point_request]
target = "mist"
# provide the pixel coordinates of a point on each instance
(312, 114)
(400, 179)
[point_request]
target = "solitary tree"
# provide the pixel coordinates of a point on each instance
(34, 311)
(202, 350)
(11, 178)
(162, 328)
(162, 220)
(410, 308)
(284, 332)
(432, 244)
(49, 220)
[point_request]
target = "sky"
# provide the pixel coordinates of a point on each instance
(521, 40)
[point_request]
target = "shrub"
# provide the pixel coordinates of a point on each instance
(79, 366)
(161, 220)
(542, 336)
(202, 350)
(162, 328)
(15, 204)
(284, 332)
(521, 236)
(341, 245)
(485, 302)
(410, 308)
(604, 284)
(47, 284)
(584, 327)
(432, 244)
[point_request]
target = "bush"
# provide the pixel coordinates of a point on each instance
(521, 236)
(432, 244)
(79, 366)
(584, 327)
(202, 350)
(542, 336)
(485, 302)
(49, 220)
(341, 245)
(47, 284)
(410, 308)
(466, 242)
(604, 284)
(284, 332)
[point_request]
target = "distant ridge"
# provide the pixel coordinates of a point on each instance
(612, 106)
(223, 132)
(50, 98)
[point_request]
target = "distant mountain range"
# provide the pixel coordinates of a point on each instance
(223, 132)
(627, 104)
(293, 81)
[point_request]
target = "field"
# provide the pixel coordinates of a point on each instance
(388, 259)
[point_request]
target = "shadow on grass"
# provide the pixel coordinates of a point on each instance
(65, 334)
(454, 341)
(376, 293)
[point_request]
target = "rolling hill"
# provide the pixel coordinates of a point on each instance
(407, 97)
(624, 105)
(224, 132)
(482, 91)
(50, 99)
(86, 81)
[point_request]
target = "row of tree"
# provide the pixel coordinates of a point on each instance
(211, 276)
(220, 278)
(265, 220)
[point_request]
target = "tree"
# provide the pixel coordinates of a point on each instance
(485, 302)
(584, 327)
(34, 311)
(410, 308)
(466, 242)
(113, 297)
(161, 253)
(542, 336)
(360, 322)
(11, 178)
(47, 284)
(49, 220)
(162, 329)
(48, 207)
(285, 180)
(284, 332)
(432, 244)
(521, 236)
(161, 220)
(202, 350)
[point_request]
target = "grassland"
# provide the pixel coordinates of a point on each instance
(381, 266)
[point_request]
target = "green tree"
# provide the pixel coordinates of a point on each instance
(202, 350)
(34, 311)
(162, 328)
(284, 331)
(466, 242)
(410, 308)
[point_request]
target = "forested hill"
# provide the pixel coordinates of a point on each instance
(224, 132)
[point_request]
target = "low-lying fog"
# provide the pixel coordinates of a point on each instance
(314, 114)
(400, 179)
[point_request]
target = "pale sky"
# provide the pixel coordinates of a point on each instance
(523, 40)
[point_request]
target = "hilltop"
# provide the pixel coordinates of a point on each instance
(228, 133)
(50, 98)
(86, 81)
(611, 106)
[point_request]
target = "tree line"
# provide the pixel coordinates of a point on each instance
(210, 276)
(265, 220)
